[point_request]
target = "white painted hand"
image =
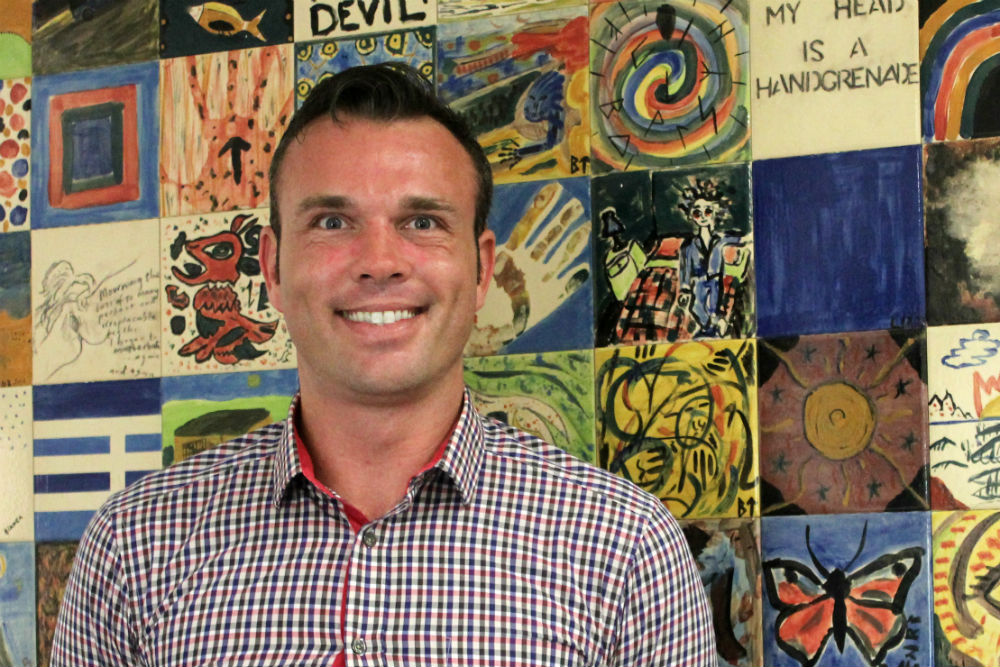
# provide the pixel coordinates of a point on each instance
(540, 266)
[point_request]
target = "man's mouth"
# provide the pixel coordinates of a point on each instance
(378, 317)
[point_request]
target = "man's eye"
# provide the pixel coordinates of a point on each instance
(423, 222)
(330, 222)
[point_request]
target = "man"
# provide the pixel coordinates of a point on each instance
(385, 521)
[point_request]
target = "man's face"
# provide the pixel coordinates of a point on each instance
(378, 258)
(703, 213)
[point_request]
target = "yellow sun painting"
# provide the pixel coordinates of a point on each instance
(843, 423)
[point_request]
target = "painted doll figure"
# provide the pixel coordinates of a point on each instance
(703, 258)
(681, 287)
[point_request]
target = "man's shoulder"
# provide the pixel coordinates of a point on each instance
(207, 473)
(559, 471)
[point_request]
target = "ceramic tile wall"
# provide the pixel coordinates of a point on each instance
(746, 259)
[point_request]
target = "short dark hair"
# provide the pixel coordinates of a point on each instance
(382, 92)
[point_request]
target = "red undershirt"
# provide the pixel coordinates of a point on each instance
(355, 516)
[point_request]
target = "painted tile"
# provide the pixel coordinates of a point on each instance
(833, 76)
(961, 201)
(17, 603)
(672, 270)
(959, 68)
(843, 423)
(53, 562)
(877, 565)
(461, 10)
(15, 309)
(200, 412)
(521, 84)
(963, 381)
(16, 509)
(669, 85)
(839, 242)
(95, 291)
(215, 312)
(90, 440)
(550, 395)
(217, 138)
(727, 552)
(541, 298)
(315, 61)
(315, 19)
(15, 153)
(93, 33)
(15, 39)
(94, 156)
(966, 566)
(679, 420)
(201, 27)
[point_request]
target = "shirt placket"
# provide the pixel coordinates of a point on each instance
(365, 595)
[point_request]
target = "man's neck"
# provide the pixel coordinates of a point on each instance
(368, 451)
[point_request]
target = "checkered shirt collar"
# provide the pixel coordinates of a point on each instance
(460, 463)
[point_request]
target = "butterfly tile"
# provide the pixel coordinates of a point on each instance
(843, 423)
(878, 566)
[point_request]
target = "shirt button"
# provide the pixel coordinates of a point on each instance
(369, 538)
(359, 647)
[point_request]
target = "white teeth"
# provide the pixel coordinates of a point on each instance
(379, 317)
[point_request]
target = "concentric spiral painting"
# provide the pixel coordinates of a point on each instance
(669, 83)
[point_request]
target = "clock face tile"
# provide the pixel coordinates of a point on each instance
(833, 76)
(668, 83)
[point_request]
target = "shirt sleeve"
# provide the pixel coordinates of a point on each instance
(665, 620)
(93, 626)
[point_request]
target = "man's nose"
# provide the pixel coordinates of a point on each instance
(381, 254)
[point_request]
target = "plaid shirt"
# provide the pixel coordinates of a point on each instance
(505, 552)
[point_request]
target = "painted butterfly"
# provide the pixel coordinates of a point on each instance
(865, 605)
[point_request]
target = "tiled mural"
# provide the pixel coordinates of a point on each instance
(747, 259)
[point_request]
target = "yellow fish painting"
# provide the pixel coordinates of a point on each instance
(221, 19)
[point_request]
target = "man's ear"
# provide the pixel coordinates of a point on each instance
(487, 245)
(269, 266)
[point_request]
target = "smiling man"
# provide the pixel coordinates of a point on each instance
(385, 521)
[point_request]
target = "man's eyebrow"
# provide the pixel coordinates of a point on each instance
(420, 203)
(324, 201)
